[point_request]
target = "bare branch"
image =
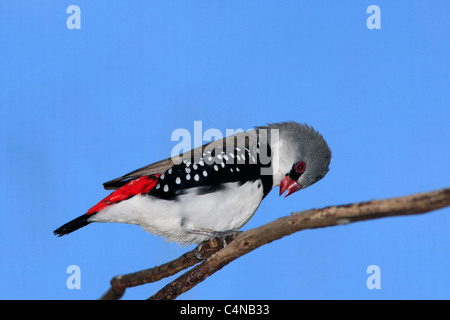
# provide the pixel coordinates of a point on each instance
(120, 283)
(254, 238)
(311, 219)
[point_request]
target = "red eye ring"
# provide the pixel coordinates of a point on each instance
(300, 167)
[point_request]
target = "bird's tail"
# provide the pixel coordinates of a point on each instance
(134, 187)
(73, 225)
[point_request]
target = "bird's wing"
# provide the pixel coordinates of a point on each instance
(151, 169)
(163, 165)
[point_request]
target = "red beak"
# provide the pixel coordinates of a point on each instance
(290, 185)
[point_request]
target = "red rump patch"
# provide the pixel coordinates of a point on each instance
(134, 187)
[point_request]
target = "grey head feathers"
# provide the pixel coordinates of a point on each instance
(298, 142)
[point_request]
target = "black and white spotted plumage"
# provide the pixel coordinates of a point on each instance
(213, 189)
(211, 172)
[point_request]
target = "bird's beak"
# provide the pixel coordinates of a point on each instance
(290, 185)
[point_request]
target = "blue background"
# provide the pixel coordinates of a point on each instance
(80, 107)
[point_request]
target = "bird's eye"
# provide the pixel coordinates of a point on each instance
(300, 167)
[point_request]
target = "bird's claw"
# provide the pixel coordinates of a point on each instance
(220, 235)
(197, 254)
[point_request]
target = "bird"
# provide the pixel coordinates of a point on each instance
(213, 190)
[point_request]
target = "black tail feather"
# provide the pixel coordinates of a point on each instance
(73, 225)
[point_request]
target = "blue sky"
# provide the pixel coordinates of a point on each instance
(80, 107)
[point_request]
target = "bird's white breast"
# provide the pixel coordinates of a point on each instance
(228, 208)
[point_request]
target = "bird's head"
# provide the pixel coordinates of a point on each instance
(302, 156)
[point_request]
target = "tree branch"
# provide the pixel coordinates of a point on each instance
(254, 238)
(120, 283)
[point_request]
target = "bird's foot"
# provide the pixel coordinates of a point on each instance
(220, 235)
(197, 253)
